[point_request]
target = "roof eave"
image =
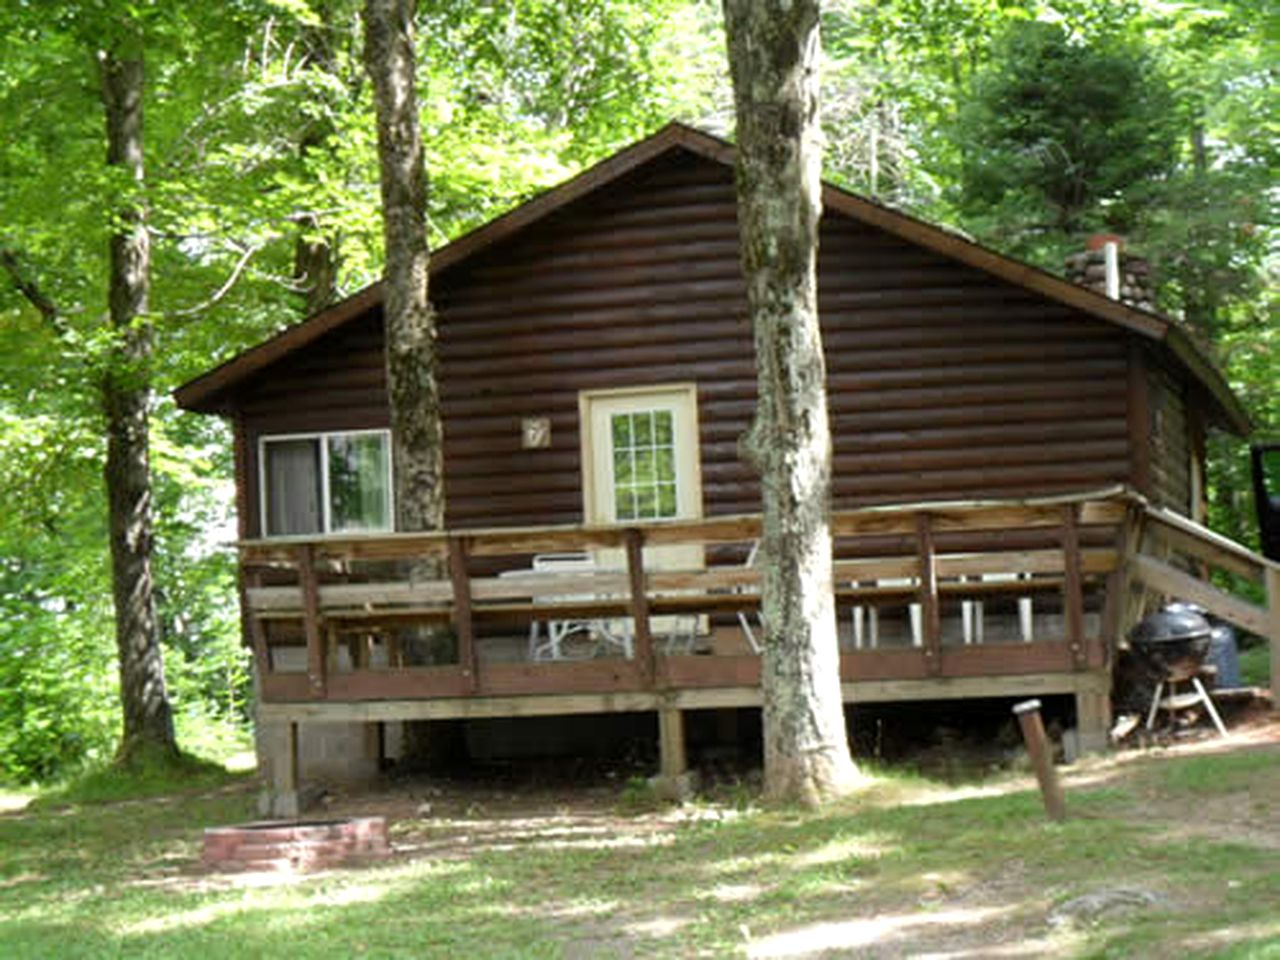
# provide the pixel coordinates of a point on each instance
(1232, 414)
(207, 392)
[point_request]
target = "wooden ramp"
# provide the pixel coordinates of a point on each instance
(1173, 558)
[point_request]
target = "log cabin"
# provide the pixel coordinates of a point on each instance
(1018, 465)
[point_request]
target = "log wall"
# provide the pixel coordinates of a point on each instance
(944, 382)
(1171, 440)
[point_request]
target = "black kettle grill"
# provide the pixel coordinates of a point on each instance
(1175, 640)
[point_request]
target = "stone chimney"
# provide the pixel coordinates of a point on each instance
(1105, 266)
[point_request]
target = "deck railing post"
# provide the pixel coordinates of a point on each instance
(931, 615)
(1116, 609)
(462, 620)
(1134, 598)
(640, 604)
(254, 631)
(1073, 586)
(316, 660)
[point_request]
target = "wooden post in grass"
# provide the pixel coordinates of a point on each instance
(1028, 714)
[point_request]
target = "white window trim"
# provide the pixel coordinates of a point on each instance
(326, 508)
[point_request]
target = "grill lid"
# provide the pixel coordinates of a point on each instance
(1176, 623)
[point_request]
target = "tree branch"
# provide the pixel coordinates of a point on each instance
(222, 291)
(30, 290)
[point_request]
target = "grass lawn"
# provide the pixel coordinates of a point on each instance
(907, 868)
(1255, 665)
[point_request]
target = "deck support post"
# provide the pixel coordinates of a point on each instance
(673, 781)
(1093, 719)
(1272, 577)
(280, 793)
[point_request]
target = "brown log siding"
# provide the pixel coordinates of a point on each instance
(1171, 440)
(944, 382)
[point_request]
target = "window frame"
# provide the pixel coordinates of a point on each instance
(326, 505)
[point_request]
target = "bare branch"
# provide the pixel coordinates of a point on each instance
(222, 291)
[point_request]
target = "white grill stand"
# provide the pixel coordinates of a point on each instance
(1181, 701)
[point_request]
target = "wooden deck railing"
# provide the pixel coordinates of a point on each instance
(934, 555)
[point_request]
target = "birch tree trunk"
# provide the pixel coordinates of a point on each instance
(416, 431)
(126, 397)
(773, 58)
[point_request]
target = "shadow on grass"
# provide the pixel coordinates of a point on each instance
(142, 779)
(875, 875)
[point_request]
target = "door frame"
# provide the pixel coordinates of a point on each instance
(685, 395)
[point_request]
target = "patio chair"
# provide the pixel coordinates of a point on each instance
(581, 639)
(573, 639)
(744, 619)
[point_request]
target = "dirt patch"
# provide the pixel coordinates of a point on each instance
(1245, 816)
(457, 818)
(452, 820)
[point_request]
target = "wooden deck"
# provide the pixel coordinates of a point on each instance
(1077, 560)
(322, 593)
(331, 620)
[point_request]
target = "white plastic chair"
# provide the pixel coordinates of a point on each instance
(554, 646)
(577, 639)
(744, 620)
(862, 631)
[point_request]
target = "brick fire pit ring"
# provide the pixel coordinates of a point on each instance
(296, 845)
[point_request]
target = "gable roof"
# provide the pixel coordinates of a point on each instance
(208, 392)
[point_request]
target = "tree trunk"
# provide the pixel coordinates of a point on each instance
(416, 431)
(126, 397)
(1197, 296)
(315, 266)
(417, 436)
(773, 57)
(315, 255)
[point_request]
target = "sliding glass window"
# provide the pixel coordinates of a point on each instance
(326, 483)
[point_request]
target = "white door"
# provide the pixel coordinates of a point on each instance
(640, 463)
